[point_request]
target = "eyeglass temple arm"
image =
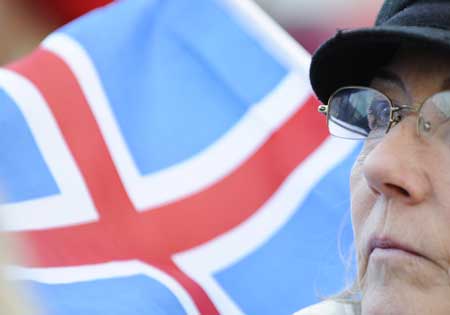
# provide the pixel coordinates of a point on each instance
(323, 109)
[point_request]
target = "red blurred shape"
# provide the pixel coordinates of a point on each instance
(311, 37)
(66, 10)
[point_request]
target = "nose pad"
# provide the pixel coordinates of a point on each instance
(397, 116)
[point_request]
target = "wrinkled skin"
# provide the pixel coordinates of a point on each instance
(400, 189)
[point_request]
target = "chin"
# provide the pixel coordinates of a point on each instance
(397, 298)
(383, 301)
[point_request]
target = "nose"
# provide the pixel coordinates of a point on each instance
(396, 168)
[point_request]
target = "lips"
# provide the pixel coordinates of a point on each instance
(388, 243)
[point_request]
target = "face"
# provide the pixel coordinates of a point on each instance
(400, 188)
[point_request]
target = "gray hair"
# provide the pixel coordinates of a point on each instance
(13, 301)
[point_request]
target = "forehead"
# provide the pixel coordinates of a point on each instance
(421, 59)
(423, 71)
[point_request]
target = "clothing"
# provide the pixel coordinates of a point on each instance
(327, 308)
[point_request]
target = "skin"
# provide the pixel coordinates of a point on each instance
(400, 189)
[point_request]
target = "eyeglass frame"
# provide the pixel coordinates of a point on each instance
(394, 116)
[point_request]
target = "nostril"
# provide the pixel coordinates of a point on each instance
(398, 189)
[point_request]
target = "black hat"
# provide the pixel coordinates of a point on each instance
(351, 57)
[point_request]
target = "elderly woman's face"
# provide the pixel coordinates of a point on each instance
(401, 199)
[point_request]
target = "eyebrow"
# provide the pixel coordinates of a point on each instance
(394, 78)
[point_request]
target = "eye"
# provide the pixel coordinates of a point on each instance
(378, 114)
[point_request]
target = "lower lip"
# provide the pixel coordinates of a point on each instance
(391, 254)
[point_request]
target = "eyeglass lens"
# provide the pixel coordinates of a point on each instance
(358, 113)
(435, 115)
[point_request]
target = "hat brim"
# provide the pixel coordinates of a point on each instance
(352, 57)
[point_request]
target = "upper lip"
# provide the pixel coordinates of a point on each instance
(389, 243)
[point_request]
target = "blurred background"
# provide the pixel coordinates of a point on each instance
(24, 23)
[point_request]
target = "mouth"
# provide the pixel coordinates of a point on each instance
(385, 243)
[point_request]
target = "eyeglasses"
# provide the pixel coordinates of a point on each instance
(364, 113)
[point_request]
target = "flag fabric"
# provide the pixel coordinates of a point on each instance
(166, 157)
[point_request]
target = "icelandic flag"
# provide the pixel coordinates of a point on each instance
(165, 157)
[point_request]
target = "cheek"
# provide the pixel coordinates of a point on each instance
(362, 202)
(439, 203)
(362, 197)
(359, 198)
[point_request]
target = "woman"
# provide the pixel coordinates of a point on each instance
(390, 86)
